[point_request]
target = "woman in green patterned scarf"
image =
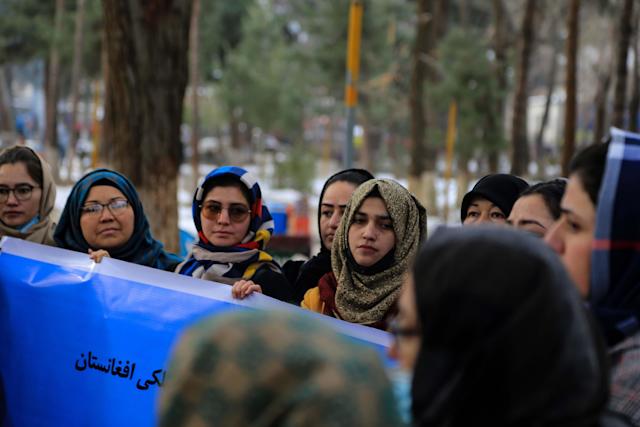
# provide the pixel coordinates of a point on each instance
(379, 235)
(272, 369)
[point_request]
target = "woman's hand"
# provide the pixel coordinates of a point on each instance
(243, 288)
(98, 255)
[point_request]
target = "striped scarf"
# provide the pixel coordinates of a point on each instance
(615, 262)
(228, 264)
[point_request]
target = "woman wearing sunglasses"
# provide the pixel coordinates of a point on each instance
(27, 196)
(234, 228)
(104, 217)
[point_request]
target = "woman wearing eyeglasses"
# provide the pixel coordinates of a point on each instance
(104, 217)
(234, 228)
(27, 196)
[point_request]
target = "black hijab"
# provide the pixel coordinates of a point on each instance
(317, 266)
(501, 189)
(506, 340)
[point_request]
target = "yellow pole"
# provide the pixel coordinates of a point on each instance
(353, 70)
(451, 140)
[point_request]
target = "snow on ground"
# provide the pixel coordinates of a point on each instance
(277, 198)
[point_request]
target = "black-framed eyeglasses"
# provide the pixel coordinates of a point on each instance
(237, 213)
(115, 206)
(402, 332)
(21, 192)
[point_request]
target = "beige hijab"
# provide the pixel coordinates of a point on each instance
(42, 232)
(364, 298)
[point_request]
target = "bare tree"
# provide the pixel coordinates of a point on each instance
(620, 91)
(600, 102)
(51, 91)
(416, 100)
(147, 45)
(194, 53)
(500, 44)
(7, 121)
(76, 67)
(571, 83)
(520, 155)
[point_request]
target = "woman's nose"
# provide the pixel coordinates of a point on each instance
(223, 217)
(105, 214)
(554, 238)
(334, 221)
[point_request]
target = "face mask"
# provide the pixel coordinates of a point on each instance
(401, 384)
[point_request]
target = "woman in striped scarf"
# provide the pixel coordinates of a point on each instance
(234, 228)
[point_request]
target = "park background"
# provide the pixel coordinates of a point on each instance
(447, 91)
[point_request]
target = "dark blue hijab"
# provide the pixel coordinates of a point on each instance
(141, 248)
(615, 260)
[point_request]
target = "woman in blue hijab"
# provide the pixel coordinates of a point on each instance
(104, 217)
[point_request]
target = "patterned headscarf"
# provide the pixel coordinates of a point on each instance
(615, 263)
(226, 264)
(42, 231)
(140, 249)
(271, 369)
(366, 299)
(506, 339)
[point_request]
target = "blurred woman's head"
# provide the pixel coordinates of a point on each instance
(598, 233)
(510, 346)
(538, 207)
(491, 199)
(255, 368)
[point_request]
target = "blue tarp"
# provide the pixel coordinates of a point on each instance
(85, 344)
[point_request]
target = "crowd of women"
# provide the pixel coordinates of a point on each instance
(530, 318)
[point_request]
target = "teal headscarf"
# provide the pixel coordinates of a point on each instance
(141, 248)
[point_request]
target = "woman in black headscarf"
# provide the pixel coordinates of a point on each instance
(505, 338)
(337, 190)
(491, 199)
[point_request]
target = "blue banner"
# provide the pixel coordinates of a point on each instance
(85, 344)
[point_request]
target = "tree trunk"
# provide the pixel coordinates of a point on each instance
(604, 82)
(520, 155)
(416, 101)
(620, 91)
(51, 92)
(7, 121)
(75, 84)
(103, 151)
(195, 81)
(147, 45)
(234, 129)
(551, 84)
(500, 49)
(571, 82)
